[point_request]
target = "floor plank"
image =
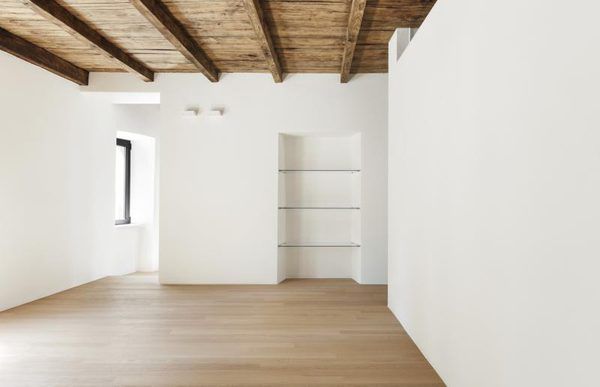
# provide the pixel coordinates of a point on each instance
(131, 331)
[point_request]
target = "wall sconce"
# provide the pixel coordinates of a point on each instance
(216, 113)
(191, 112)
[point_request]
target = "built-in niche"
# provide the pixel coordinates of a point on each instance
(319, 206)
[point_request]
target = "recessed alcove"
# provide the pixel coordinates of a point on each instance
(319, 233)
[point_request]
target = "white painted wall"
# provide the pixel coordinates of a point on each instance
(56, 185)
(219, 190)
(494, 192)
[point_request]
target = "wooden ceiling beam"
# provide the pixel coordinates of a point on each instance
(263, 34)
(60, 16)
(357, 10)
(41, 57)
(164, 21)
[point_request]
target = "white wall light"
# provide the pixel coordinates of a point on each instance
(216, 113)
(190, 112)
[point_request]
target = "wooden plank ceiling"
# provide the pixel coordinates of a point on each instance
(234, 36)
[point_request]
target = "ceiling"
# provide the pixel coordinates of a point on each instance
(308, 36)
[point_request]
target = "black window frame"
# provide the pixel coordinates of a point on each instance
(127, 213)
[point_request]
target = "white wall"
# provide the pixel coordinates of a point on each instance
(218, 188)
(219, 177)
(57, 174)
(56, 185)
(494, 192)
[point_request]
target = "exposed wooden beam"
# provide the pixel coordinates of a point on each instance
(263, 34)
(43, 58)
(357, 10)
(60, 16)
(160, 16)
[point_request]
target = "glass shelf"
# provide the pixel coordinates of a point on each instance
(317, 208)
(320, 170)
(318, 244)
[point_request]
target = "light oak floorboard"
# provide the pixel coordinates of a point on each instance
(131, 331)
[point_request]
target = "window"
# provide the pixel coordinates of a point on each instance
(123, 182)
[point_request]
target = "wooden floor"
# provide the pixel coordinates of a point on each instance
(130, 331)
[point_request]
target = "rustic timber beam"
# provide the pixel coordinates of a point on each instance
(60, 16)
(43, 58)
(357, 10)
(261, 28)
(168, 25)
